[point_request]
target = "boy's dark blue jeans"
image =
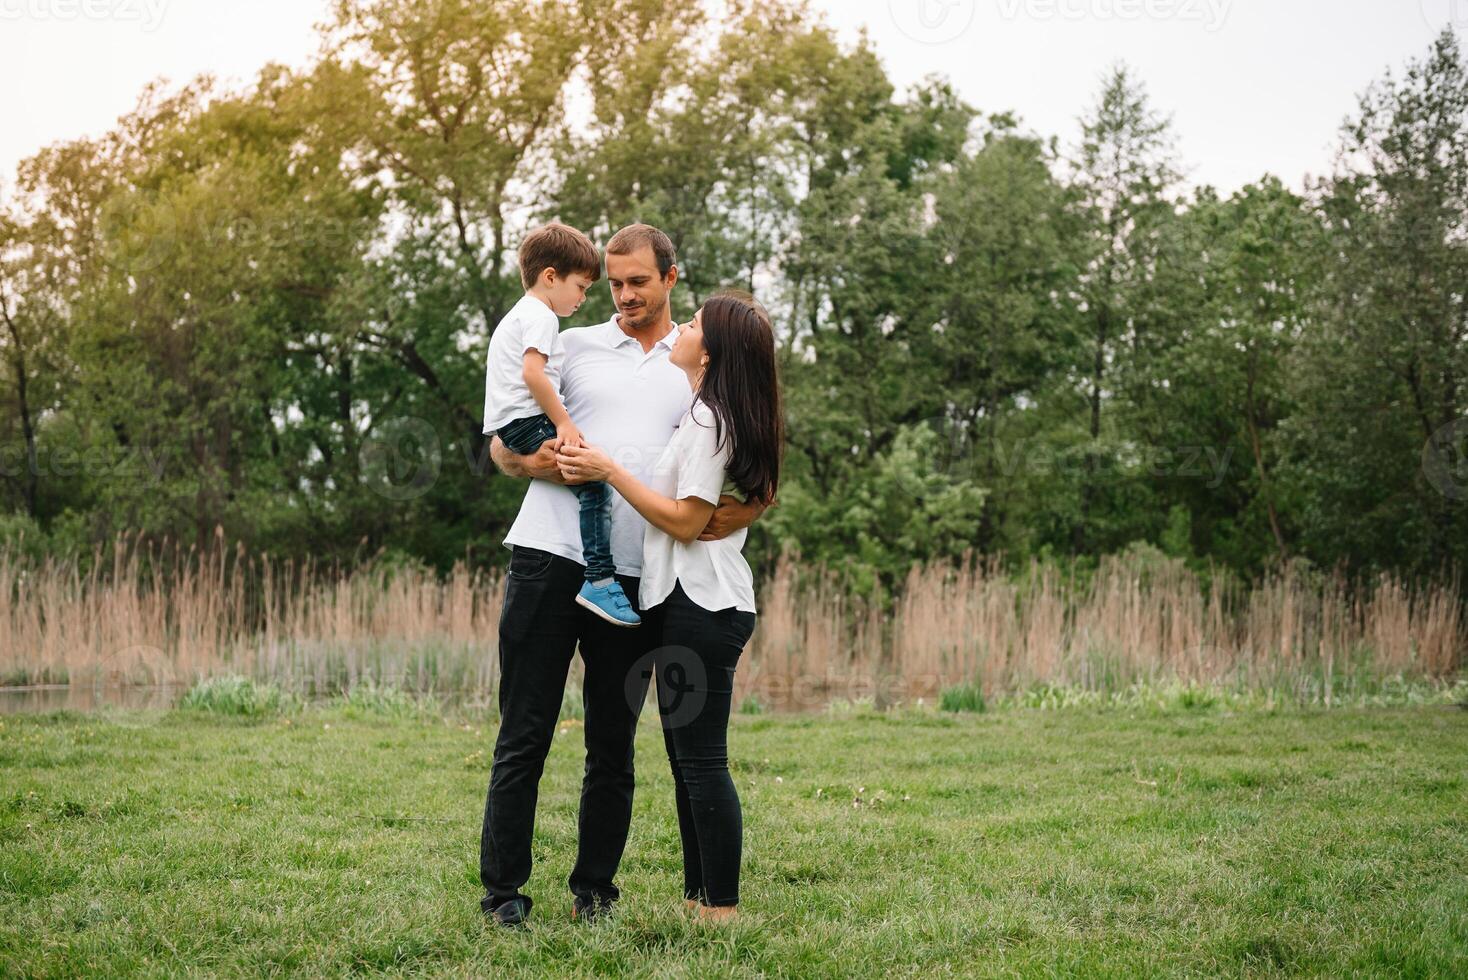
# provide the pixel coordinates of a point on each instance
(524, 437)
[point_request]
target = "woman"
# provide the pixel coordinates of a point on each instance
(699, 595)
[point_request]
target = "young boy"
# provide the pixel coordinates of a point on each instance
(522, 396)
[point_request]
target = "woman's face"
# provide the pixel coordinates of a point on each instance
(689, 352)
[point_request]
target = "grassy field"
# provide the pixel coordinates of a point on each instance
(1020, 842)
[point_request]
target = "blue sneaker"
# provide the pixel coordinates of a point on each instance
(609, 602)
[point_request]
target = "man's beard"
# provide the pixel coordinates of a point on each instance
(649, 314)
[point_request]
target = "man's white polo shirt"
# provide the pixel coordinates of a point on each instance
(624, 401)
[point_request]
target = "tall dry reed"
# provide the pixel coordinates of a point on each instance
(163, 614)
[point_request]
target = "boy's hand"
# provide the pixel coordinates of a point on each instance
(568, 436)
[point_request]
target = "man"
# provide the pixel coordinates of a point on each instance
(625, 396)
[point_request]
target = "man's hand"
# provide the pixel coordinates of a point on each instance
(540, 465)
(731, 515)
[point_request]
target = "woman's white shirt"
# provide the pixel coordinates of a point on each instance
(714, 574)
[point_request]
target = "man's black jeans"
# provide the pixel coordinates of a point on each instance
(540, 627)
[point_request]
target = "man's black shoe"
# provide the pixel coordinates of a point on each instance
(590, 909)
(512, 913)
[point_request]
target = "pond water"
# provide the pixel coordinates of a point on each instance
(61, 697)
(89, 698)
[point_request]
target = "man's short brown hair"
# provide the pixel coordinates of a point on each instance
(559, 247)
(633, 237)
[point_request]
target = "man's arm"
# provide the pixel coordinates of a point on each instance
(538, 466)
(731, 515)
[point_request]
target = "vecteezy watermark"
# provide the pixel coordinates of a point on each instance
(950, 451)
(402, 458)
(132, 664)
(1438, 14)
(805, 691)
(682, 684)
(136, 241)
(140, 235)
(1445, 460)
(145, 464)
(148, 13)
(1210, 13)
(932, 21)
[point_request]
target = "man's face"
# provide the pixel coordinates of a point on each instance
(639, 292)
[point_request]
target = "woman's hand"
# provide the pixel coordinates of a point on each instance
(584, 464)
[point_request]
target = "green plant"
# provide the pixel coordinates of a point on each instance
(369, 699)
(963, 698)
(752, 705)
(234, 695)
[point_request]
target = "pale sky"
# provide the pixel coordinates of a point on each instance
(1253, 86)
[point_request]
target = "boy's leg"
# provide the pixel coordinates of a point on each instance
(537, 638)
(617, 674)
(596, 530)
(524, 437)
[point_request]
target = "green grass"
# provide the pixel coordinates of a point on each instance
(1015, 842)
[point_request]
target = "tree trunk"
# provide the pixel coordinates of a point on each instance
(1256, 445)
(1088, 489)
(27, 424)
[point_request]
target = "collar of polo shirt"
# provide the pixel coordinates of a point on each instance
(616, 336)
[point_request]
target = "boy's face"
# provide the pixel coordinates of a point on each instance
(566, 294)
(640, 293)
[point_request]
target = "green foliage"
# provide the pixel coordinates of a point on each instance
(367, 699)
(964, 698)
(573, 705)
(236, 696)
(265, 310)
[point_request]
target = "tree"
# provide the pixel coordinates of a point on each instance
(1383, 377)
(1124, 173)
(1004, 244)
(1238, 278)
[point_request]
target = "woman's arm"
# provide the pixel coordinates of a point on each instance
(682, 520)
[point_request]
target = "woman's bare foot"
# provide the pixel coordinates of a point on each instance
(719, 914)
(690, 904)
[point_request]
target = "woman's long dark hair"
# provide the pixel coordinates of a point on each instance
(741, 386)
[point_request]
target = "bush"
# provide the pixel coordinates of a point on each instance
(752, 705)
(965, 697)
(367, 698)
(573, 707)
(234, 695)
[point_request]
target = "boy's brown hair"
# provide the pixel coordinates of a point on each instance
(559, 247)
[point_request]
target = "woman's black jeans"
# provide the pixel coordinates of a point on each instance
(695, 663)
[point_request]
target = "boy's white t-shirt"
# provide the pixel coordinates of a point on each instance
(530, 324)
(625, 401)
(713, 574)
